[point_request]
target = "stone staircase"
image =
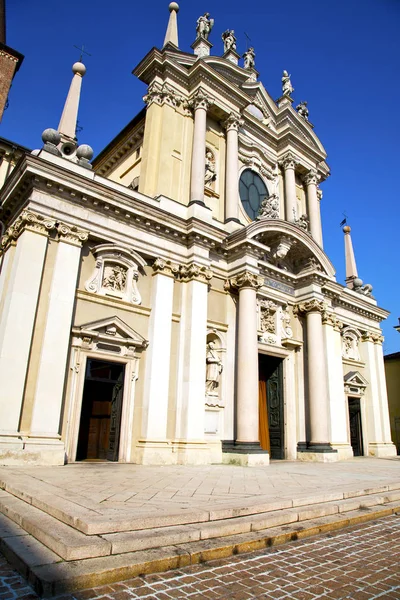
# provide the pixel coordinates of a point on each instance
(60, 547)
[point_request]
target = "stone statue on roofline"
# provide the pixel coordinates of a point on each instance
(287, 88)
(204, 26)
(303, 110)
(249, 58)
(229, 40)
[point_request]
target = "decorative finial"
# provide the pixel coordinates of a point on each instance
(287, 88)
(171, 37)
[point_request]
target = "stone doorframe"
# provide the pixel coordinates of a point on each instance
(354, 387)
(109, 340)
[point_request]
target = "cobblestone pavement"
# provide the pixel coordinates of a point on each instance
(361, 563)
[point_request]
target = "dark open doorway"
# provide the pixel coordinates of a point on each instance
(356, 440)
(100, 424)
(271, 412)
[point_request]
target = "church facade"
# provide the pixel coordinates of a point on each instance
(172, 303)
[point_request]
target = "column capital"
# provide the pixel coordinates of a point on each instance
(310, 306)
(234, 121)
(195, 272)
(201, 99)
(26, 220)
(289, 161)
(319, 194)
(161, 93)
(311, 178)
(244, 280)
(72, 234)
(329, 318)
(165, 267)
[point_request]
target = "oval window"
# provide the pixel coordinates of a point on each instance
(252, 191)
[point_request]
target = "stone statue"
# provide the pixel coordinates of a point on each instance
(249, 58)
(303, 110)
(210, 174)
(287, 88)
(229, 40)
(204, 26)
(303, 222)
(358, 286)
(114, 278)
(286, 329)
(269, 208)
(213, 370)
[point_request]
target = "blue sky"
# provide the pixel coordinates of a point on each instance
(344, 60)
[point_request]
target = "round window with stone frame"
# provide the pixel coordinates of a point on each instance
(252, 191)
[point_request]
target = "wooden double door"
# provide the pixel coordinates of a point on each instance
(271, 405)
(100, 424)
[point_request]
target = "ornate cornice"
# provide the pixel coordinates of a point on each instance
(30, 221)
(311, 178)
(233, 122)
(195, 272)
(289, 161)
(165, 267)
(244, 280)
(71, 234)
(310, 306)
(162, 94)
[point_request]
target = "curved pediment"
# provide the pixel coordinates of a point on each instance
(291, 247)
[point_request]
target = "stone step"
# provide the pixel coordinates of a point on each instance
(52, 578)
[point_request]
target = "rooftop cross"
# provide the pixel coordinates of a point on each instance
(82, 51)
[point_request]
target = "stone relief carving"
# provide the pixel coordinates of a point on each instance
(204, 26)
(210, 174)
(195, 271)
(229, 39)
(350, 340)
(286, 328)
(162, 93)
(246, 279)
(302, 110)
(302, 221)
(313, 305)
(269, 208)
(287, 88)
(267, 324)
(116, 273)
(249, 58)
(213, 369)
(279, 254)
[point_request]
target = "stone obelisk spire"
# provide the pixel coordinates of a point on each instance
(171, 36)
(69, 117)
(351, 267)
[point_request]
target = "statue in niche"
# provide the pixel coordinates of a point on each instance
(249, 58)
(269, 208)
(303, 110)
(350, 348)
(210, 174)
(213, 370)
(229, 40)
(287, 88)
(286, 329)
(114, 278)
(204, 26)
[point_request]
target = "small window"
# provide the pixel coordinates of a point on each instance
(252, 191)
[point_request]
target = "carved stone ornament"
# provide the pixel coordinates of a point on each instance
(350, 339)
(204, 26)
(303, 222)
(329, 318)
(289, 161)
(116, 273)
(30, 221)
(162, 93)
(302, 110)
(245, 280)
(361, 288)
(195, 272)
(287, 88)
(309, 306)
(249, 59)
(286, 328)
(200, 100)
(233, 122)
(71, 234)
(166, 267)
(210, 174)
(311, 178)
(267, 321)
(269, 208)
(375, 338)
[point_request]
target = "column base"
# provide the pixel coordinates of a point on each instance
(199, 202)
(232, 220)
(245, 454)
(381, 450)
(318, 452)
(18, 451)
(171, 452)
(345, 451)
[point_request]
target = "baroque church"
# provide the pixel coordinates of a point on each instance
(170, 302)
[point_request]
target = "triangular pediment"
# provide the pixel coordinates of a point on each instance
(355, 378)
(113, 329)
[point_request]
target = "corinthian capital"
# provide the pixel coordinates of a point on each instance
(310, 306)
(233, 122)
(289, 161)
(166, 267)
(311, 178)
(331, 319)
(245, 280)
(71, 234)
(30, 221)
(196, 272)
(201, 100)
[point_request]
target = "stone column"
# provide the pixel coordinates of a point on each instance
(289, 165)
(201, 103)
(373, 419)
(384, 407)
(232, 125)
(196, 278)
(318, 393)
(158, 365)
(19, 311)
(55, 344)
(247, 433)
(313, 209)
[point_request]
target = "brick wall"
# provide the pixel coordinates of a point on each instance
(8, 66)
